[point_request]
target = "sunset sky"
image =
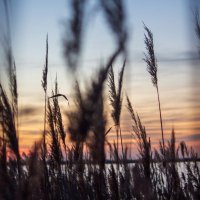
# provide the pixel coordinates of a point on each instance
(175, 47)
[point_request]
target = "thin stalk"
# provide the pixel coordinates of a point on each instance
(44, 85)
(13, 83)
(46, 182)
(161, 122)
(44, 133)
(117, 133)
(120, 132)
(19, 166)
(152, 68)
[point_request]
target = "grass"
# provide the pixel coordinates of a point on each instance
(152, 68)
(56, 170)
(70, 172)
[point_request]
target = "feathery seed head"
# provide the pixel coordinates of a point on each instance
(150, 58)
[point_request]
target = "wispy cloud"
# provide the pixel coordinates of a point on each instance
(193, 137)
(28, 111)
(181, 56)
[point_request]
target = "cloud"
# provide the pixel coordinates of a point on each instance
(28, 111)
(179, 56)
(192, 137)
(25, 132)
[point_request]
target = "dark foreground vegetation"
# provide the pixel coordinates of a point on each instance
(91, 167)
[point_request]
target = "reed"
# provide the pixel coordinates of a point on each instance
(115, 97)
(44, 147)
(152, 67)
(79, 174)
(81, 168)
(9, 107)
(44, 85)
(73, 40)
(144, 143)
(116, 17)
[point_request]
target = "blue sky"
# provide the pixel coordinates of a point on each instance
(167, 20)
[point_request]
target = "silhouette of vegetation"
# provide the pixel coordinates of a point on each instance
(152, 67)
(55, 169)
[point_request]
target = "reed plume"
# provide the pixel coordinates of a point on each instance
(56, 155)
(9, 106)
(57, 116)
(44, 147)
(80, 120)
(45, 70)
(73, 39)
(116, 17)
(115, 97)
(10, 64)
(197, 25)
(83, 119)
(144, 144)
(8, 125)
(152, 67)
(44, 85)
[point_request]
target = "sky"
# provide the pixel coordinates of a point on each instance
(175, 48)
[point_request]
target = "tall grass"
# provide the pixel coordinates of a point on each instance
(44, 85)
(115, 96)
(152, 67)
(83, 168)
(76, 172)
